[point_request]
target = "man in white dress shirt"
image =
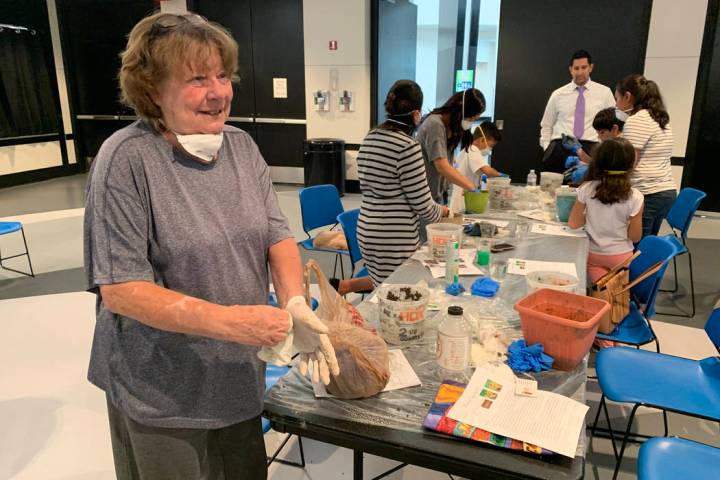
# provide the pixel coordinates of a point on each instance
(570, 111)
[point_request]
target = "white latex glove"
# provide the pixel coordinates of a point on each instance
(311, 340)
(280, 354)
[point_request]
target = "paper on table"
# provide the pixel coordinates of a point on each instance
(537, 215)
(519, 266)
(561, 230)
(547, 420)
(437, 269)
(497, 223)
(402, 375)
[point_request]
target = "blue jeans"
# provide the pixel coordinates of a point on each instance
(657, 206)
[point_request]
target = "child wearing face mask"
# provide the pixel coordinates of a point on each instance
(472, 161)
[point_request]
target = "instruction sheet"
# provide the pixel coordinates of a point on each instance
(547, 419)
(519, 266)
(402, 375)
(560, 230)
(466, 265)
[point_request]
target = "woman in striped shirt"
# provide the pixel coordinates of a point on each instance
(395, 192)
(647, 128)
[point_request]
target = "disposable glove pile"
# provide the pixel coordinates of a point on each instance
(524, 358)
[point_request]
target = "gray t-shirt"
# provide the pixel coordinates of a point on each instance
(154, 214)
(432, 137)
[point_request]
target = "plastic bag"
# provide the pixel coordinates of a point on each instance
(330, 239)
(362, 355)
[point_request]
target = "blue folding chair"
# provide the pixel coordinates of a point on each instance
(319, 207)
(674, 458)
(635, 328)
(274, 373)
(10, 227)
(656, 380)
(348, 221)
(679, 218)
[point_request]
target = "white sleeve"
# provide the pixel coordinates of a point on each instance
(609, 99)
(547, 122)
(476, 161)
(637, 199)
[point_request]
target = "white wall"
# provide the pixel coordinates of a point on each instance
(672, 58)
(348, 23)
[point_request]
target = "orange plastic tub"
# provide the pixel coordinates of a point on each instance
(565, 323)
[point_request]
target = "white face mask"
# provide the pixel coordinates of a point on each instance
(204, 146)
(465, 124)
(622, 115)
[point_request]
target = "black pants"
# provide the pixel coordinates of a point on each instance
(153, 453)
(555, 155)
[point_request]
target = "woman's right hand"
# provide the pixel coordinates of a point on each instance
(445, 211)
(259, 325)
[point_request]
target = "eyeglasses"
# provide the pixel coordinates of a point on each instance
(170, 21)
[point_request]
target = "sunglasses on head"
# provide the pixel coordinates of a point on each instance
(170, 21)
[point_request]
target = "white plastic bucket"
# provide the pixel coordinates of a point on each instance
(559, 281)
(439, 234)
(402, 321)
(550, 181)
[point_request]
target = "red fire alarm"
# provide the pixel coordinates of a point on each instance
(333, 45)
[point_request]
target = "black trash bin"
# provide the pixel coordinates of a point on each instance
(324, 162)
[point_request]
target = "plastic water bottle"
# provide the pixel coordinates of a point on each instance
(531, 179)
(454, 343)
(452, 261)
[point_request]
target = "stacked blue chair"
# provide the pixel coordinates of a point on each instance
(635, 328)
(656, 380)
(11, 227)
(348, 221)
(674, 458)
(319, 207)
(679, 218)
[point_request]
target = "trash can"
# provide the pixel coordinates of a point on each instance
(324, 162)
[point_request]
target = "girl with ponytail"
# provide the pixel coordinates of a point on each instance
(609, 207)
(647, 127)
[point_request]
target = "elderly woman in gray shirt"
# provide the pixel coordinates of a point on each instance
(181, 223)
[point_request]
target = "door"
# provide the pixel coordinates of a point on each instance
(396, 46)
(534, 49)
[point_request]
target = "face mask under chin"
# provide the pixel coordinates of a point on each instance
(202, 146)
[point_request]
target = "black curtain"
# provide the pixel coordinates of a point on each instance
(26, 100)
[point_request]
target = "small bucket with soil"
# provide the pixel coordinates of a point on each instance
(402, 313)
(565, 323)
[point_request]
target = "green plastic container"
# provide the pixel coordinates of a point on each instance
(476, 202)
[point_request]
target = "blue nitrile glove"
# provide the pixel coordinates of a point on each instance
(523, 358)
(504, 175)
(571, 143)
(571, 161)
(455, 289)
(578, 175)
(484, 287)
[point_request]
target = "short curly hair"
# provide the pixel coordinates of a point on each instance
(160, 45)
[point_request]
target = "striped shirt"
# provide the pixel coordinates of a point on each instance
(653, 172)
(395, 194)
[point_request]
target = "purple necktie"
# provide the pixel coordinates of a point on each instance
(579, 125)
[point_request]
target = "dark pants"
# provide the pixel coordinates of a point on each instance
(657, 206)
(153, 453)
(555, 155)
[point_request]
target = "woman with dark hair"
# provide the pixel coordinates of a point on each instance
(395, 193)
(647, 127)
(609, 207)
(441, 132)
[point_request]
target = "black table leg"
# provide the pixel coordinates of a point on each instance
(357, 465)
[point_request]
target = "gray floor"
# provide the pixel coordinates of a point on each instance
(68, 192)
